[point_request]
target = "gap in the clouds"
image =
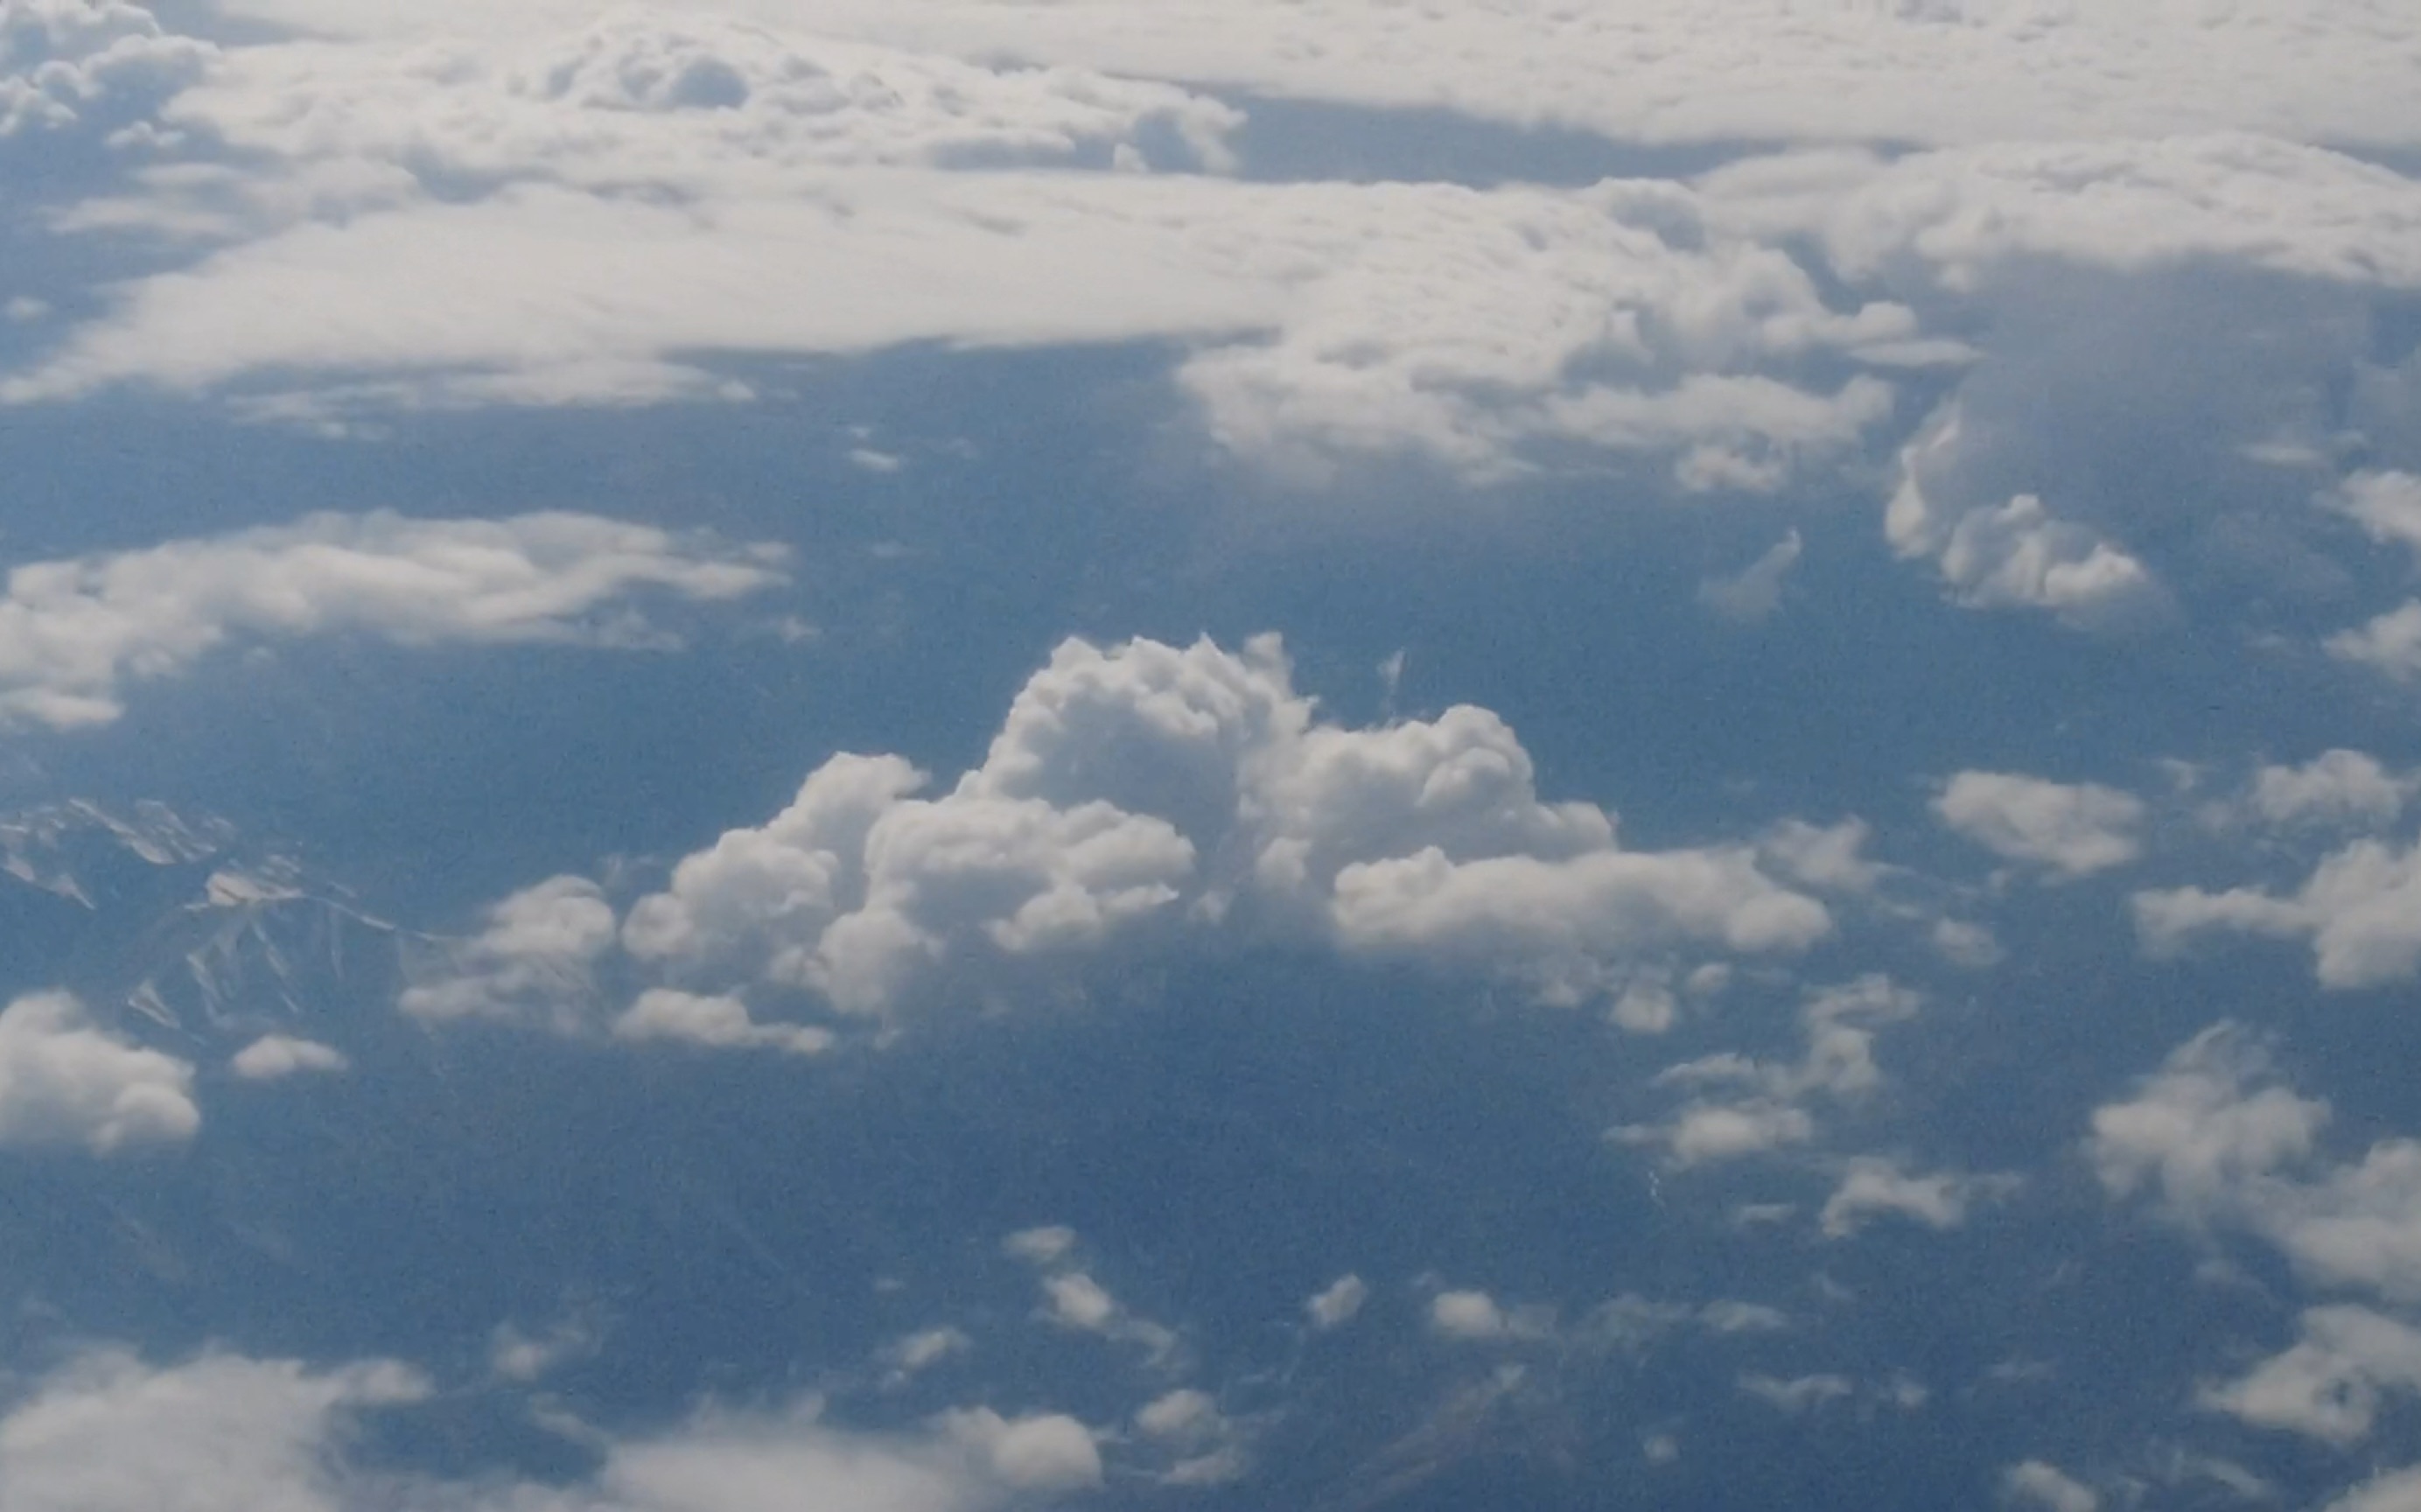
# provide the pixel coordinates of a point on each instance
(1291, 140)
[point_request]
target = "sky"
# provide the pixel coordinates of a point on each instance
(982, 756)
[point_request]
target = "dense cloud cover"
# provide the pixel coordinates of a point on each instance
(946, 756)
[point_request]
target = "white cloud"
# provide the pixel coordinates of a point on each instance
(1337, 1303)
(1746, 1108)
(714, 1022)
(217, 1434)
(1044, 1246)
(1147, 787)
(1046, 1451)
(223, 1433)
(1798, 1395)
(1964, 70)
(1872, 1185)
(2328, 1385)
(2035, 1484)
(63, 62)
(1754, 591)
(922, 1350)
(74, 632)
(2386, 504)
(1475, 1317)
(2220, 1144)
(517, 1356)
(2397, 1490)
(2337, 786)
(2361, 908)
(533, 966)
(2074, 829)
(2390, 642)
(273, 1057)
(65, 1080)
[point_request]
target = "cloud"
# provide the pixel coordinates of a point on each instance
(2361, 908)
(1755, 592)
(2390, 642)
(66, 63)
(713, 1022)
(109, 1433)
(2328, 1385)
(2396, 1490)
(534, 965)
(2219, 1143)
(1964, 70)
(2072, 829)
(2386, 504)
(1145, 787)
(1470, 1316)
(65, 1080)
(1745, 1108)
(2035, 1484)
(74, 632)
(1337, 1303)
(1872, 1185)
(2338, 787)
(1798, 1396)
(273, 1057)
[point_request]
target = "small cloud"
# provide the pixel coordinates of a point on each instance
(1755, 592)
(1336, 1304)
(868, 459)
(2068, 829)
(65, 1080)
(2036, 1484)
(1797, 1395)
(1046, 1245)
(275, 1056)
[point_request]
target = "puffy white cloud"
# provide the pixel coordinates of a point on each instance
(223, 1433)
(2219, 1143)
(273, 1057)
(65, 1080)
(1872, 1185)
(2071, 828)
(533, 966)
(2390, 642)
(922, 1350)
(219, 1433)
(2361, 908)
(1148, 786)
(716, 1023)
(2397, 1490)
(1044, 1246)
(1475, 1317)
(2386, 504)
(2337, 786)
(2328, 1385)
(64, 61)
(1337, 1303)
(2032, 1483)
(1745, 1108)
(74, 632)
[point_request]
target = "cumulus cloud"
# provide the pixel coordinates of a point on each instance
(1742, 1107)
(109, 1433)
(1799, 1395)
(533, 966)
(2390, 642)
(65, 1080)
(65, 63)
(1144, 787)
(1879, 1185)
(2218, 1142)
(2336, 788)
(273, 1057)
(2068, 829)
(2360, 907)
(2386, 504)
(2329, 1384)
(74, 632)
(714, 1022)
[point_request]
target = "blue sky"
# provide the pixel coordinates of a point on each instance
(955, 756)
